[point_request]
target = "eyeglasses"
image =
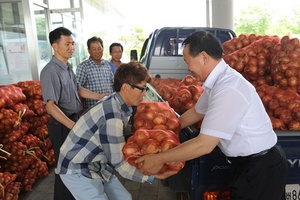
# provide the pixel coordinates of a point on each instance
(145, 88)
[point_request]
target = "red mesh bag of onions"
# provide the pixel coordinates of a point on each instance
(148, 142)
(156, 115)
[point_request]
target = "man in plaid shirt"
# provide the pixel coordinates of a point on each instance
(93, 149)
(95, 73)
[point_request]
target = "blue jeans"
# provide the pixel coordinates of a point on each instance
(83, 188)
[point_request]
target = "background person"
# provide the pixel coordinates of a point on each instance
(93, 149)
(61, 94)
(95, 73)
(116, 52)
(234, 119)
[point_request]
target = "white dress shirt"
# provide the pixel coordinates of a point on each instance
(234, 113)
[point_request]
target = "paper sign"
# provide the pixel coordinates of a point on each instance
(17, 56)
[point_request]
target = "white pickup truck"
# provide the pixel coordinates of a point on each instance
(162, 50)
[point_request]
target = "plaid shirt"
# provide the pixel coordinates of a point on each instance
(94, 77)
(94, 145)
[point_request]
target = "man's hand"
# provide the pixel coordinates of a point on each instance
(102, 95)
(151, 164)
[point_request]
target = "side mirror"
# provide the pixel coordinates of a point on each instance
(133, 55)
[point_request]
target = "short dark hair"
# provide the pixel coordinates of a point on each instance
(132, 72)
(54, 35)
(115, 44)
(94, 39)
(204, 41)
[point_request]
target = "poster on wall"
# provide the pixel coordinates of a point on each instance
(17, 56)
(3, 67)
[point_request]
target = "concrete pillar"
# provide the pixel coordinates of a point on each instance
(222, 13)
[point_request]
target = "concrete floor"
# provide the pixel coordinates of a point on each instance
(43, 190)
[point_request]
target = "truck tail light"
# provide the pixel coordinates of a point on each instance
(216, 195)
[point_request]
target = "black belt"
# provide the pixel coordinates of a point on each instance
(249, 158)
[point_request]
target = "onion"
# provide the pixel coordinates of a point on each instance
(273, 104)
(266, 99)
(285, 39)
(158, 135)
(168, 144)
(293, 104)
(252, 61)
(288, 47)
(250, 52)
(295, 42)
(251, 69)
(159, 119)
(294, 63)
(284, 59)
(269, 79)
(138, 122)
(189, 80)
(279, 94)
(152, 106)
(2, 102)
(293, 81)
(141, 108)
(294, 54)
(296, 113)
(241, 53)
(242, 36)
(148, 125)
(131, 160)
(184, 95)
(278, 111)
(246, 42)
(278, 76)
(168, 113)
(173, 124)
(283, 83)
(140, 136)
(150, 114)
(150, 146)
(239, 44)
(196, 91)
(286, 116)
(278, 124)
(261, 81)
(280, 54)
(239, 66)
(257, 47)
(294, 125)
(277, 47)
(285, 100)
(267, 43)
(245, 59)
(252, 37)
(290, 72)
(261, 62)
(261, 71)
(130, 149)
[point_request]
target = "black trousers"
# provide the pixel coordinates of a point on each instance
(57, 134)
(260, 178)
